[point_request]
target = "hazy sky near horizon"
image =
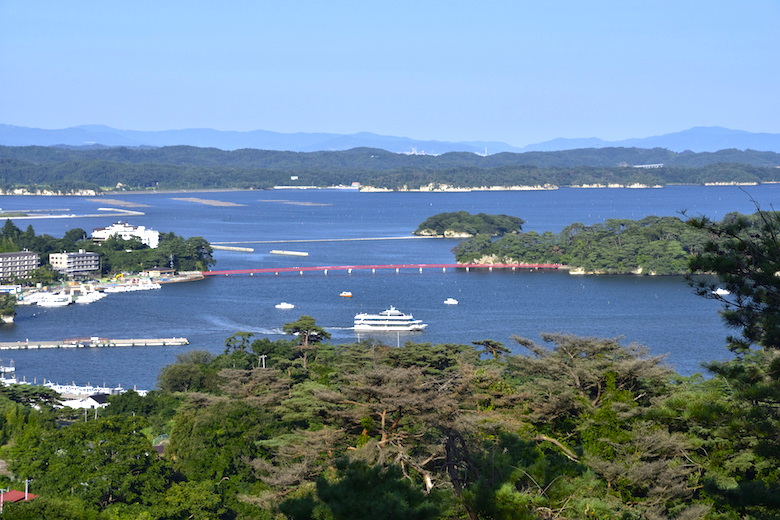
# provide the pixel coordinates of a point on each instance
(520, 72)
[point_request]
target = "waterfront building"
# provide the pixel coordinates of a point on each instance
(17, 264)
(125, 231)
(159, 272)
(75, 264)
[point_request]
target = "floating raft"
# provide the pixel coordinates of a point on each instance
(233, 248)
(289, 253)
(93, 343)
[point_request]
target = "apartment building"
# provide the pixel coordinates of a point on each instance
(75, 265)
(18, 264)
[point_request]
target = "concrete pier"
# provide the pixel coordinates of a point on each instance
(93, 343)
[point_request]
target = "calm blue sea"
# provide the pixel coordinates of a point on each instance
(660, 312)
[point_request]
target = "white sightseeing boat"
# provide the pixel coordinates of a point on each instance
(391, 319)
(52, 300)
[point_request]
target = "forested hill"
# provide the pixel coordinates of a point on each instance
(36, 169)
(375, 159)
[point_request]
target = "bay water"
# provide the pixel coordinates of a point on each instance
(346, 227)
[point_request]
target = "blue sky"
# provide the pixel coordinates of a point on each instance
(520, 72)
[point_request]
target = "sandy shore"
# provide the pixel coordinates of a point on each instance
(208, 202)
(117, 202)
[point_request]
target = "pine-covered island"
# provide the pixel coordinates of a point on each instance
(650, 246)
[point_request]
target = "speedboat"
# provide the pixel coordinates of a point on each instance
(451, 301)
(284, 305)
(390, 319)
(720, 292)
(346, 294)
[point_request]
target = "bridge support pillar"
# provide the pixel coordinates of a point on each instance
(276, 273)
(396, 270)
(421, 270)
(467, 269)
(373, 271)
(443, 269)
(349, 271)
(326, 271)
(301, 273)
(513, 268)
(251, 274)
(490, 268)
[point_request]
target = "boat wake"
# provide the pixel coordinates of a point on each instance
(230, 326)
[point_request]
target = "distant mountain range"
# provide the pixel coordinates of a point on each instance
(698, 139)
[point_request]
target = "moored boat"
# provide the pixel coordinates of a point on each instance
(451, 301)
(284, 305)
(54, 301)
(346, 294)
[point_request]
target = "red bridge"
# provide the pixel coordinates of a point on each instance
(373, 268)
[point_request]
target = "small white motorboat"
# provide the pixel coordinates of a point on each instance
(346, 294)
(284, 305)
(720, 292)
(451, 301)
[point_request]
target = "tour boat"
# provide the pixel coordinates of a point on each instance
(451, 301)
(53, 300)
(90, 297)
(346, 294)
(284, 305)
(390, 319)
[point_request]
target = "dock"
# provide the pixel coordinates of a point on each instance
(92, 343)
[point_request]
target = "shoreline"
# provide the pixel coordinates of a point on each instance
(374, 189)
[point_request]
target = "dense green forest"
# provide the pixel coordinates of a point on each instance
(652, 245)
(301, 429)
(182, 167)
(116, 255)
(463, 222)
(376, 159)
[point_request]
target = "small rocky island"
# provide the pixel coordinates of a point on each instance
(462, 224)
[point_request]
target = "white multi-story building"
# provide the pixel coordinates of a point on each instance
(18, 264)
(75, 264)
(125, 231)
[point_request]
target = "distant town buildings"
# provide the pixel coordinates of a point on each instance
(125, 231)
(649, 166)
(75, 265)
(17, 264)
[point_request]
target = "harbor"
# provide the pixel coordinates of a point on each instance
(92, 342)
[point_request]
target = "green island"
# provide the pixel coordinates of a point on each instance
(650, 246)
(57, 170)
(463, 224)
(300, 428)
